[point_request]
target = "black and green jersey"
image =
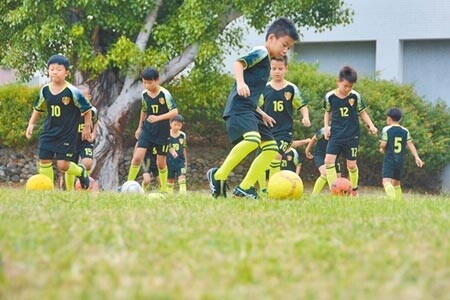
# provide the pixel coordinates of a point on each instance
(280, 105)
(177, 143)
(344, 115)
(94, 120)
(290, 160)
(159, 131)
(256, 75)
(64, 111)
(396, 138)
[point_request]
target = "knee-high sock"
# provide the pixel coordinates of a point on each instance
(170, 186)
(269, 150)
(74, 169)
(398, 192)
(47, 170)
(274, 167)
(262, 181)
(182, 185)
(353, 175)
(70, 181)
(163, 179)
(390, 190)
(319, 184)
(133, 172)
(240, 151)
(331, 174)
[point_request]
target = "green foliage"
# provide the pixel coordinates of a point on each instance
(16, 106)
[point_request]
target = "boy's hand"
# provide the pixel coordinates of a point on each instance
(326, 133)
(268, 120)
(243, 90)
(137, 134)
(309, 155)
(306, 122)
(153, 118)
(29, 131)
(86, 133)
(419, 162)
(373, 130)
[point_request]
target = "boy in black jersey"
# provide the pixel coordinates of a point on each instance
(343, 107)
(64, 104)
(394, 139)
(158, 107)
(245, 126)
(177, 155)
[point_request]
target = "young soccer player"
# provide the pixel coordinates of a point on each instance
(342, 107)
(65, 104)
(149, 169)
(291, 161)
(84, 148)
(158, 107)
(319, 143)
(394, 139)
(177, 156)
(279, 101)
(245, 126)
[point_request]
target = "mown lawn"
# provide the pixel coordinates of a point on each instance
(61, 245)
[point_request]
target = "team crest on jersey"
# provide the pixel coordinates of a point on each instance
(66, 100)
(289, 158)
(162, 100)
(288, 96)
(181, 141)
(351, 101)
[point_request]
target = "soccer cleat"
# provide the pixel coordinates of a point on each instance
(214, 184)
(224, 187)
(354, 192)
(84, 178)
(251, 193)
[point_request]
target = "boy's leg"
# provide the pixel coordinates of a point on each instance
(182, 184)
(170, 185)
(319, 184)
(330, 170)
(46, 168)
(269, 150)
(398, 189)
(162, 171)
(138, 156)
(262, 182)
(353, 173)
(76, 170)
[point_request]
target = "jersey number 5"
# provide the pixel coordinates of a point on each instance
(397, 144)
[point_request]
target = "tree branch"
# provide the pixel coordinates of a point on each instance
(179, 63)
(144, 34)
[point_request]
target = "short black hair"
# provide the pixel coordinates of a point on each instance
(60, 60)
(282, 27)
(178, 118)
(283, 59)
(395, 114)
(150, 73)
(348, 73)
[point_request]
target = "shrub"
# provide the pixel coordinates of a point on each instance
(16, 106)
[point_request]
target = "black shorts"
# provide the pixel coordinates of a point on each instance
(173, 173)
(160, 149)
(392, 169)
(283, 142)
(349, 148)
(45, 154)
(238, 125)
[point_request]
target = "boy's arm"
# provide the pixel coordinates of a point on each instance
(94, 132)
(298, 168)
(299, 143)
(365, 117)
(305, 114)
(167, 116)
(33, 119)
(138, 131)
(383, 146)
(413, 150)
(241, 86)
(86, 134)
(309, 147)
(326, 125)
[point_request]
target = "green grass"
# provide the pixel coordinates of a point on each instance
(113, 246)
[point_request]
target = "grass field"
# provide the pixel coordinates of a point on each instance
(63, 245)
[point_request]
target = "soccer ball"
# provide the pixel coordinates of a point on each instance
(341, 187)
(285, 185)
(93, 185)
(132, 186)
(39, 182)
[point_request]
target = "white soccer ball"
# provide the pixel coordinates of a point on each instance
(132, 186)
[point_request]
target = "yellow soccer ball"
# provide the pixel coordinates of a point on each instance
(39, 182)
(285, 185)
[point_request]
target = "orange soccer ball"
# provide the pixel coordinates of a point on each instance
(341, 187)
